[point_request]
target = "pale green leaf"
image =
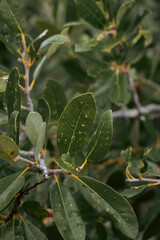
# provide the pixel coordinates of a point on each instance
(75, 123)
(41, 140)
(33, 125)
(120, 93)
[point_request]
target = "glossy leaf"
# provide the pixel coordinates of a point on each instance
(33, 126)
(66, 213)
(8, 148)
(102, 138)
(13, 97)
(90, 11)
(10, 185)
(41, 140)
(12, 230)
(44, 109)
(56, 98)
(13, 130)
(110, 205)
(31, 232)
(120, 94)
(75, 123)
(35, 210)
(12, 14)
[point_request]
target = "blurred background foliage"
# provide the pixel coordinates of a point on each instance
(87, 62)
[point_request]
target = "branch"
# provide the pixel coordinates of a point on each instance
(39, 167)
(134, 92)
(26, 63)
(29, 154)
(152, 109)
(143, 180)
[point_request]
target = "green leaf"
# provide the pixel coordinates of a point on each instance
(44, 109)
(35, 210)
(90, 11)
(58, 38)
(13, 97)
(111, 7)
(39, 67)
(86, 46)
(12, 230)
(12, 14)
(41, 140)
(2, 85)
(4, 120)
(110, 205)
(10, 185)
(120, 94)
(123, 10)
(33, 126)
(66, 214)
(102, 138)
(8, 148)
(75, 123)
(56, 98)
(13, 130)
(31, 232)
(64, 164)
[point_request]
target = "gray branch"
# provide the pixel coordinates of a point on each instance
(151, 109)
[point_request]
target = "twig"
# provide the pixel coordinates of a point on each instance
(143, 180)
(134, 92)
(18, 200)
(151, 109)
(39, 167)
(29, 154)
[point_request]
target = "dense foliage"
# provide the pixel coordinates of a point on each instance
(79, 119)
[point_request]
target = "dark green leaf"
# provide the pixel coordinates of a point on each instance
(110, 204)
(13, 97)
(12, 230)
(56, 98)
(31, 232)
(13, 130)
(66, 213)
(8, 148)
(75, 123)
(102, 138)
(10, 185)
(90, 11)
(12, 14)
(35, 210)
(44, 109)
